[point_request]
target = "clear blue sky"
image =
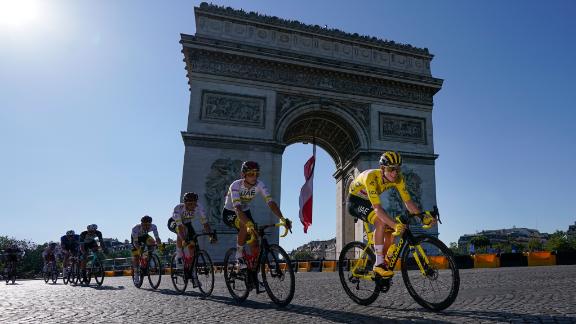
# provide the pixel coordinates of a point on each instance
(93, 96)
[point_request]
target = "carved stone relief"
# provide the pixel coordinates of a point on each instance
(233, 109)
(202, 61)
(402, 128)
(414, 185)
(222, 173)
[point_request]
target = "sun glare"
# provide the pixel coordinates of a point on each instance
(18, 13)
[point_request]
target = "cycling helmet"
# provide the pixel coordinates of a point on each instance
(70, 232)
(52, 245)
(146, 219)
(250, 166)
(92, 227)
(190, 197)
(390, 158)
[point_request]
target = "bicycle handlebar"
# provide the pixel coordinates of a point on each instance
(405, 218)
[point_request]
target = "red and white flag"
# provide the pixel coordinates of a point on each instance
(306, 193)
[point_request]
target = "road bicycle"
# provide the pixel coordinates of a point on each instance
(272, 262)
(428, 268)
(149, 266)
(71, 271)
(10, 271)
(94, 268)
(51, 272)
(199, 269)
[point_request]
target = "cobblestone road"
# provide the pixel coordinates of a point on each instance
(530, 294)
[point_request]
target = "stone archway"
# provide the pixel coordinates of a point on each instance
(259, 83)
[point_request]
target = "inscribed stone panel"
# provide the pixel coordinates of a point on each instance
(233, 109)
(402, 128)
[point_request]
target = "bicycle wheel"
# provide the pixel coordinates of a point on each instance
(137, 280)
(74, 273)
(355, 271)
(154, 271)
(98, 271)
(236, 280)
(435, 284)
(46, 276)
(278, 275)
(54, 274)
(205, 273)
(65, 275)
(178, 275)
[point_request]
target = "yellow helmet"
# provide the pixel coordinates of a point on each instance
(391, 158)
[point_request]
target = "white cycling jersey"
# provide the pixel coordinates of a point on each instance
(182, 216)
(239, 196)
(138, 231)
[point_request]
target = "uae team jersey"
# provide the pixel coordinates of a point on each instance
(183, 216)
(138, 231)
(370, 184)
(239, 196)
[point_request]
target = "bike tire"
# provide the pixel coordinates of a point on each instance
(350, 283)
(66, 275)
(276, 264)
(236, 280)
(46, 276)
(179, 277)
(54, 274)
(154, 271)
(134, 270)
(434, 271)
(98, 271)
(205, 273)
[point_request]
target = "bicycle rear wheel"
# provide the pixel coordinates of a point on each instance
(178, 275)
(355, 270)
(154, 271)
(236, 280)
(46, 276)
(278, 275)
(204, 273)
(435, 284)
(66, 274)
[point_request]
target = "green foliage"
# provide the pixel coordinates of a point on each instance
(31, 263)
(303, 255)
(560, 242)
(480, 241)
(534, 244)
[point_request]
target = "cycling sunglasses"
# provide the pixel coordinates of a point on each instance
(252, 173)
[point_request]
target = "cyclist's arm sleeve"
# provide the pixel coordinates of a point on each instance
(370, 183)
(135, 232)
(264, 191)
(202, 214)
(404, 194)
(235, 195)
(177, 217)
(155, 231)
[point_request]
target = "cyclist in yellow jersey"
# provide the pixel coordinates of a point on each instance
(364, 203)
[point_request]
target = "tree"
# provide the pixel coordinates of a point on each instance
(534, 244)
(480, 242)
(559, 242)
(303, 255)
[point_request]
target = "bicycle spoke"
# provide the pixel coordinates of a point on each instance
(236, 280)
(278, 275)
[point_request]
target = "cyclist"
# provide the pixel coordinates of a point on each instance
(70, 244)
(49, 255)
(140, 236)
(364, 203)
(236, 212)
(181, 223)
(87, 243)
(12, 254)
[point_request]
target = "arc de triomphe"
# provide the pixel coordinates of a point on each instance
(260, 83)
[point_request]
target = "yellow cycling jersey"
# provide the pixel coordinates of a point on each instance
(370, 184)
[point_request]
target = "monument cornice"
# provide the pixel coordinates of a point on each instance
(231, 142)
(275, 22)
(227, 46)
(211, 62)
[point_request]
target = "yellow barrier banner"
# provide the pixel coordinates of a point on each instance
(486, 261)
(328, 266)
(544, 258)
(440, 261)
(304, 266)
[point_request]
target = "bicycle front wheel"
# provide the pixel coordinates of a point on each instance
(46, 276)
(355, 270)
(98, 271)
(137, 278)
(154, 271)
(178, 275)
(278, 275)
(54, 274)
(236, 279)
(204, 273)
(430, 273)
